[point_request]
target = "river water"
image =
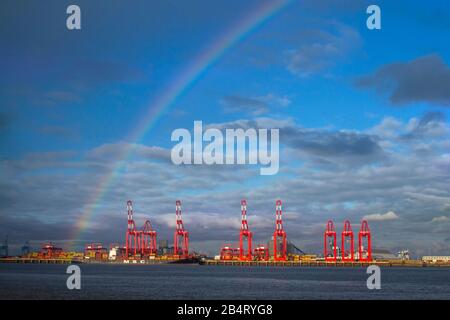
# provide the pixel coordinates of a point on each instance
(105, 281)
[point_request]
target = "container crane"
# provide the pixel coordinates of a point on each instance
(330, 245)
(279, 233)
(364, 233)
(181, 236)
(348, 254)
(245, 235)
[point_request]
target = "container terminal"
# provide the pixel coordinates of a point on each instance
(141, 248)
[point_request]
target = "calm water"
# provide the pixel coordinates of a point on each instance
(212, 282)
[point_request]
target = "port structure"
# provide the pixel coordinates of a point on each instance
(148, 241)
(245, 235)
(95, 250)
(49, 250)
(181, 236)
(347, 249)
(279, 233)
(139, 242)
(330, 242)
(228, 253)
(348, 253)
(132, 235)
(261, 253)
(94, 247)
(364, 233)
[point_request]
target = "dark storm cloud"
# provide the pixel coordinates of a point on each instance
(425, 79)
(330, 144)
(318, 143)
(27, 227)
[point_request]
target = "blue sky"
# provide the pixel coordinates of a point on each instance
(69, 99)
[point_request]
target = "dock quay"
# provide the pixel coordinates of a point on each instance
(91, 261)
(235, 263)
(355, 264)
(39, 260)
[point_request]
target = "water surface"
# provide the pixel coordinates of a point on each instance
(104, 281)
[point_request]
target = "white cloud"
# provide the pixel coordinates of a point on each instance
(390, 215)
(320, 49)
(440, 219)
(388, 128)
(272, 99)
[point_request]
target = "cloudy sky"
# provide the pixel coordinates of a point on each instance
(363, 118)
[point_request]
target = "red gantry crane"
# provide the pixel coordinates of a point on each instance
(347, 237)
(181, 235)
(279, 233)
(148, 243)
(330, 245)
(364, 232)
(141, 242)
(245, 235)
(132, 236)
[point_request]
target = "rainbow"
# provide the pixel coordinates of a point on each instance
(184, 80)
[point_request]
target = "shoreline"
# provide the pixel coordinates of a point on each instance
(234, 263)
